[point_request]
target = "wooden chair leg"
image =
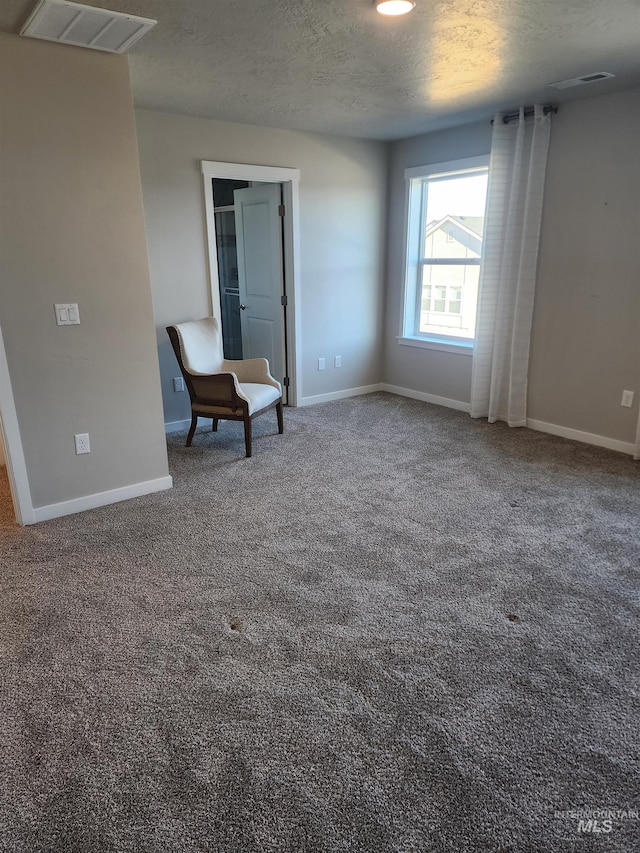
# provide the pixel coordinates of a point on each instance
(192, 430)
(280, 420)
(214, 425)
(247, 433)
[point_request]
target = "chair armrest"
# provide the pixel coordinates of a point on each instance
(252, 370)
(219, 387)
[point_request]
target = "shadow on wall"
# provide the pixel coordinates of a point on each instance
(175, 404)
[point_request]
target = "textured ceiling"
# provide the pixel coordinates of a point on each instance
(339, 67)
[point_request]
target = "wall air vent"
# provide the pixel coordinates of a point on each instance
(580, 81)
(85, 26)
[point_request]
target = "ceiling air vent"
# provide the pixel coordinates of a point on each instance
(580, 81)
(85, 26)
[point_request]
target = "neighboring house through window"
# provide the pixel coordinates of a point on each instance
(445, 226)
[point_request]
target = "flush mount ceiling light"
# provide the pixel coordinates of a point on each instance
(394, 7)
(85, 26)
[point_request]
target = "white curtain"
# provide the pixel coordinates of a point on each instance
(507, 280)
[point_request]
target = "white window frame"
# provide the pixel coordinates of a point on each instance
(414, 213)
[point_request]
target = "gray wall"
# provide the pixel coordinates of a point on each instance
(72, 230)
(342, 219)
(586, 335)
(586, 328)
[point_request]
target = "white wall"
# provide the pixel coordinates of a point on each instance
(342, 216)
(586, 327)
(72, 230)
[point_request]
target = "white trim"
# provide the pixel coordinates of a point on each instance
(540, 426)
(579, 435)
(177, 426)
(341, 395)
(136, 490)
(248, 172)
(293, 279)
(441, 346)
(290, 180)
(459, 405)
(13, 452)
(465, 164)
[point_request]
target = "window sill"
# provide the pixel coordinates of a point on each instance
(458, 348)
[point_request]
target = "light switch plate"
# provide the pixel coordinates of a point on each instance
(67, 314)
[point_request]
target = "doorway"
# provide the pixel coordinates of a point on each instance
(227, 257)
(252, 229)
(249, 247)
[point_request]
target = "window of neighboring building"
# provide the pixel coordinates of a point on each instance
(445, 227)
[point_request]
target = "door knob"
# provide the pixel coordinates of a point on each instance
(242, 306)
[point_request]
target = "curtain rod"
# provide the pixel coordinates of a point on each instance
(528, 112)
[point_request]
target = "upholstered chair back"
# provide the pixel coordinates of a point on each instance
(201, 346)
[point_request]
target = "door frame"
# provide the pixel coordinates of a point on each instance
(12, 445)
(290, 179)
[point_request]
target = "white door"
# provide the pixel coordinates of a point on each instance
(260, 274)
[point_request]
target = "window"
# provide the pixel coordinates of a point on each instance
(440, 299)
(445, 227)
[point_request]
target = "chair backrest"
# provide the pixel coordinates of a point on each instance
(200, 345)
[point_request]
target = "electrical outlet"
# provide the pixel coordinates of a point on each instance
(627, 399)
(337, 361)
(178, 384)
(82, 443)
(321, 364)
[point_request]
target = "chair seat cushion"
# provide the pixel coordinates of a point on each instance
(259, 395)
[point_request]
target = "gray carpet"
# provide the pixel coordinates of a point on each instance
(393, 629)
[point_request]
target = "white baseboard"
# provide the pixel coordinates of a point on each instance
(532, 423)
(426, 398)
(459, 405)
(136, 490)
(579, 435)
(177, 426)
(340, 395)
